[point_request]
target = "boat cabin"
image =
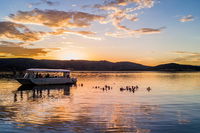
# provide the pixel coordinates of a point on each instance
(46, 73)
(37, 76)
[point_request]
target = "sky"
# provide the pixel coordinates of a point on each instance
(148, 32)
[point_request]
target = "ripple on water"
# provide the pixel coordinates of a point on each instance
(170, 106)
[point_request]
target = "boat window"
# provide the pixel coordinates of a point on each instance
(50, 75)
(26, 75)
(29, 75)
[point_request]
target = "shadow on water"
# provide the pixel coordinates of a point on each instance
(35, 91)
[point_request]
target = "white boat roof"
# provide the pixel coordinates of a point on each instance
(47, 70)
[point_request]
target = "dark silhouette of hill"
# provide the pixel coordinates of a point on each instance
(174, 67)
(20, 64)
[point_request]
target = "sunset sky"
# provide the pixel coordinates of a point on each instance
(149, 32)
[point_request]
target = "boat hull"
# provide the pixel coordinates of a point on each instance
(25, 81)
(47, 81)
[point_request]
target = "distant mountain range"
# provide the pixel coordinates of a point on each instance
(20, 64)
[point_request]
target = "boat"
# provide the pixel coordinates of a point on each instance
(36, 76)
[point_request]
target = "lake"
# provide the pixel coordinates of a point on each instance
(97, 104)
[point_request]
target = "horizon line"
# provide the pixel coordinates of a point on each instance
(102, 60)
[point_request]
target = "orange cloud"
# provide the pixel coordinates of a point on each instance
(10, 30)
(54, 18)
(61, 31)
(129, 33)
(85, 34)
(22, 52)
(14, 43)
(50, 18)
(13, 49)
(187, 57)
(17, 49)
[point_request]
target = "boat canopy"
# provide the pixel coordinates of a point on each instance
(47, 70)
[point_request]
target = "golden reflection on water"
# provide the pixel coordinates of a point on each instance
(88, 109)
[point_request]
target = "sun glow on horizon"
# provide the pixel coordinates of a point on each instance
(71, 55)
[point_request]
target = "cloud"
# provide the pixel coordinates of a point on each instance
(85, 34)
(61, 31)
(14, 43)
(18, 31)
(187, 18)
(2, 56)
(142, 31)
(140, 3)
(185, 53)
(121, 10)
(10, 30)
(54, 18)
(22, 52)
(61, 22)
(149, 30)
(14, 31)
(13, 49)
(187, 57)
(48, 2)
(118, 34)
(117, 12)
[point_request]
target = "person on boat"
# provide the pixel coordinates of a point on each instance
(37, 75)
(47, 76)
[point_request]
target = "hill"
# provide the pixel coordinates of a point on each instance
(20, 64)
(174, 67)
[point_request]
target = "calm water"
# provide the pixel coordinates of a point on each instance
(171, 106)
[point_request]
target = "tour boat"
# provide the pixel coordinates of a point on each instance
(46, 77)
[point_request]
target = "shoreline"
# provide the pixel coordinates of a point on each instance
(12, 75)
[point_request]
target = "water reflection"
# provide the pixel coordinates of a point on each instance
(43, 91)
(104, 102)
